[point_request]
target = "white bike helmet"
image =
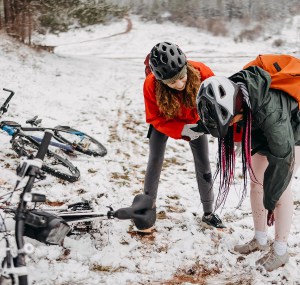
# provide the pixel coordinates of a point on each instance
(216, 104)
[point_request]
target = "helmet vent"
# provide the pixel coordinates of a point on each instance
(222, 91)
(209, 115)
(224, 113)
(173, 64)
(154, 62)
(209, 109)
(164, 48)
(210, 91)
(179, 61)
(172, 52)
(179, 51)
(164, 59)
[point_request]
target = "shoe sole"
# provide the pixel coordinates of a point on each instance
(276, 268)
(207, 226)
(146, 231)
(261, 265)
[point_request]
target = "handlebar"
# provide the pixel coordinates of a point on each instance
(4, 107)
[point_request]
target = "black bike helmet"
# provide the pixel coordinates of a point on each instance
(166, 60)
(216, 104)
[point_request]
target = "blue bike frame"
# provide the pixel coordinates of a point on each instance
(14, 130)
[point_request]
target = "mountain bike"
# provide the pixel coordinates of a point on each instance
(25, 141)
(51, 228)
(14, 268)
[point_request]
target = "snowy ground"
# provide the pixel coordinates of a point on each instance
(93, 82)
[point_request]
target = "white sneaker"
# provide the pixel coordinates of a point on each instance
(251, 246)
(271, 261)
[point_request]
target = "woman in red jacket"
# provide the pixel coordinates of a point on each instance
(170, 91)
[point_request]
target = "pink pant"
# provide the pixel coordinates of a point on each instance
(284, 208)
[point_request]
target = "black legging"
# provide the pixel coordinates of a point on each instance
(199, 147)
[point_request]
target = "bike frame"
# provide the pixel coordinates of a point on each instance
(61, 145)
(13, 129)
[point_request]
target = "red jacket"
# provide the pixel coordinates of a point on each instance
(170, 127)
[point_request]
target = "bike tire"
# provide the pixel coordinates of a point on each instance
(79, 141)
(53, 163)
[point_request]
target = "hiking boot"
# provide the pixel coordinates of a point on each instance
(250, 246)
(271, 261)
(212, 221)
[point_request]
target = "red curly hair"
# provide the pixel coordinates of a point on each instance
(170, 100)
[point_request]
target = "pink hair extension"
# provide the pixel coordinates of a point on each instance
(225, 167)
(246, 152)
(248, 140)
(226, 160)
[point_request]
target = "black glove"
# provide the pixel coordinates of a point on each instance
(200, 128)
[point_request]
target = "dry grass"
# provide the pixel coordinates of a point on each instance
(196, 274)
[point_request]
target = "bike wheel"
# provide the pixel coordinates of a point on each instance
(79, 141)
(53, 164)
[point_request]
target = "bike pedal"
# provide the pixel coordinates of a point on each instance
(80, 206)
(81, 228)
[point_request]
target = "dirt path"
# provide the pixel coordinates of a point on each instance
(127, 30)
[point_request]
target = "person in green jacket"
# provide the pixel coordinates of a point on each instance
(270, 120)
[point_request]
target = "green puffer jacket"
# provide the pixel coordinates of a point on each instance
(275, 130)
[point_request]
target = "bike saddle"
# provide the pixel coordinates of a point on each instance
(142, 211)
(34, 121)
